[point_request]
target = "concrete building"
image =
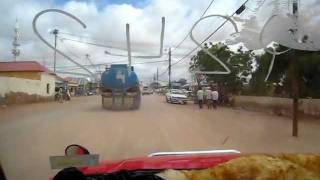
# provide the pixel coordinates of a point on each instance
(72, 85)
(60, 83)
(25, 81)
(77, 86)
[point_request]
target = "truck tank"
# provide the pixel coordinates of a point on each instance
(120, 89)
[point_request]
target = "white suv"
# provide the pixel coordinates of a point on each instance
(176, 96)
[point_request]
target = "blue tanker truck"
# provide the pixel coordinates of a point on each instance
(120, 88)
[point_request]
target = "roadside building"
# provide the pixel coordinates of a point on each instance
(72, 85)
(155, 85)
(25, 81)
(60, 83)
(77, 86)
(93, 87)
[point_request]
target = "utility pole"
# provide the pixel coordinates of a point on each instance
(294, 80)
(295, 92)
(55, 32)
(170, 68)
(157, 78)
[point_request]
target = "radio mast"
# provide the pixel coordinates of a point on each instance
(15, 43)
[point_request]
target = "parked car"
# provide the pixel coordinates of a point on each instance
(187, 92)
(90, 93)
(146, 91)
(176, 96)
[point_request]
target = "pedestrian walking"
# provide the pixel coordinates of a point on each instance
(208, 95)
(68, 95)
(215, 98)
(60, 95)
(200, 97)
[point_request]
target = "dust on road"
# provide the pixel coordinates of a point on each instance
(29, 134)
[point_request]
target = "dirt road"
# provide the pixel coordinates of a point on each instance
(29, 134)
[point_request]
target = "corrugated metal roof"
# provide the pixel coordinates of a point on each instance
(71, 80)
(58, 78)
(75, 80)
(23, 66)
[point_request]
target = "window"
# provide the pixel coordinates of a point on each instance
(48, 88)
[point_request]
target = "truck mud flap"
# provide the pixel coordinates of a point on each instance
(129, 101)
(107, 102)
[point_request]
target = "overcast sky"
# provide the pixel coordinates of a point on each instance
(105, 20)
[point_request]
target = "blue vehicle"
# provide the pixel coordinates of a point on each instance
(120, 89)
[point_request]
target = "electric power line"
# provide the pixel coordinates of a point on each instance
(164, 72)
(149, 62)
(208, 37)
(180, 43)
(69, 51)
(76, 35)
(104, 64)
(93, 44)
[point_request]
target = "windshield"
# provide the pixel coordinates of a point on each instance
(177, 92)
(109, 75)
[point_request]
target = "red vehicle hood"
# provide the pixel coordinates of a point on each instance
(160, 162)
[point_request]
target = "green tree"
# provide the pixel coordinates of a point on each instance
(257, 85)
(307, 64)
(238, 62)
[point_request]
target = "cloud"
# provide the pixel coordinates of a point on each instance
(106, 25)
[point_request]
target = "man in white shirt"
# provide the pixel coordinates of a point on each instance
(208, 94)
(200, 97)
(215, 97)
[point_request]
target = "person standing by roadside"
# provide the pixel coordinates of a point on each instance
(68, 95)
(60, 95)
(208, 96)
(200, 97)
(215, 98)
(204, 96)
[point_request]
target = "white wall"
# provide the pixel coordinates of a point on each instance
(307, 106)
(12, 84)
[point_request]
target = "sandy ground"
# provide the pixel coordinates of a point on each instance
(29, 134)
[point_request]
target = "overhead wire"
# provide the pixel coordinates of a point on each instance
(180, 43)
(164, 72)
(175, 47)
(102, 45)
(90, 61)
(68, 50)
(104, 64)
(93, 44)
(76, 35)
(208, 37)
(77, 56)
